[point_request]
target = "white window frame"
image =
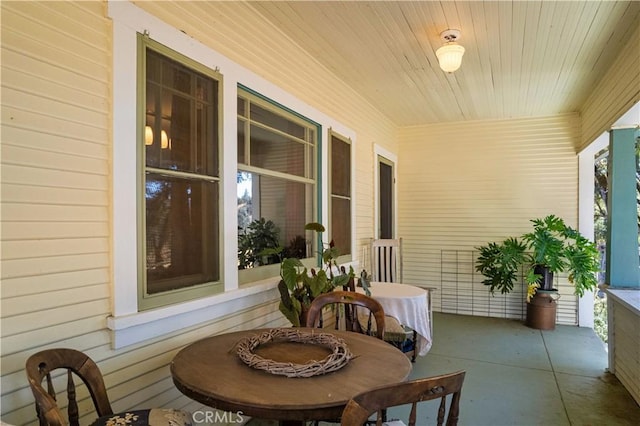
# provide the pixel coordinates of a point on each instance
(128, 325)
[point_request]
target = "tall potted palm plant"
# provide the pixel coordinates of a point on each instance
(551, 247)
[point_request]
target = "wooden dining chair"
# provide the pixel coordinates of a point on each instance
(348, 307)
(386, 264)
(386, 260)
(348, 302)
(362, 406)
(39, 368)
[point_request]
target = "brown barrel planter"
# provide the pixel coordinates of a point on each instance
(541, 310)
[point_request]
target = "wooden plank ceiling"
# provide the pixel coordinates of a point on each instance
(522, 59)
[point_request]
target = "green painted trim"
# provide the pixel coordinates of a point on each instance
(623, 265)
(319, 145)
(251, 275)
(319, 186)
(147, 301)
(330, 195)
(141, 93)
(275, 103)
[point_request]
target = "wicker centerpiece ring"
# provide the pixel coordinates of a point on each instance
(338, 358)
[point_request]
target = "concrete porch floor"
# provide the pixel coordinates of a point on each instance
(520, 376)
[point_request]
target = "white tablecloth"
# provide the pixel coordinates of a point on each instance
(408, 304)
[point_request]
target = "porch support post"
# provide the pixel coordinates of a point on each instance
(586, 197)
(623, 266)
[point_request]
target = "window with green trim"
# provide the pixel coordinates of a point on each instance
(277, 190)
(180, 148)
(340, 190)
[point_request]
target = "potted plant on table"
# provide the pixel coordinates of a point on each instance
(551, 247)
(299, 286)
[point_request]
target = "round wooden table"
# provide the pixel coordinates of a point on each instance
(209, 371)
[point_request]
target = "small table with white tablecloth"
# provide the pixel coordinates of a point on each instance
(409, 305)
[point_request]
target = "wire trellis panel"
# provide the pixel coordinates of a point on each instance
(462, 291)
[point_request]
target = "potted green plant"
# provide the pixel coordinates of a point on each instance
(551, 247)
(255, 242)
(299, 286)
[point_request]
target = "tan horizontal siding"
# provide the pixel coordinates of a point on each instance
(17, 193)
(46, 332)
(461, 186)
(54, 213)
(35, 303)
(26, 157)
(35, 230)
(24, 249)
(14, 362)
(34, 284)
(55, 186)
(47, 141)
(52, 265)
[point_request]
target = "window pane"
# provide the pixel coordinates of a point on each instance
(181, 119)
(273, 205)
(341, 224)
(277, 121)
(177, 76)
(181, 232)
(154, 66)
(340, 167)
(276, 152)
(182, 217)
(341, 194)
(272, 212)
(242, 107)
(241, 142)
(385, 176)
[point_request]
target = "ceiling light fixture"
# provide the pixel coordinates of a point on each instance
(450, 55)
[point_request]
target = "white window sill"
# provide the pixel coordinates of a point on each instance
(135, 328)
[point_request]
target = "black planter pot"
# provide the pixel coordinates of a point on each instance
(546, 282)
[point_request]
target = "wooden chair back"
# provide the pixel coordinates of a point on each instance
(39, 367)
(362, 406)
(350, 301)
(351, 284)
(386, 260)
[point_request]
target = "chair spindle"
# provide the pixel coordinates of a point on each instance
(72, 408)
(441, 410)
(50, 390)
